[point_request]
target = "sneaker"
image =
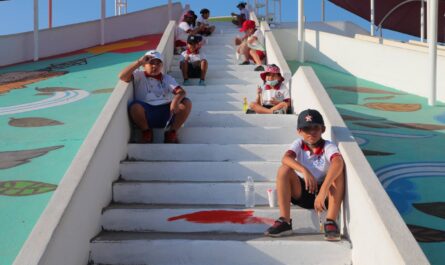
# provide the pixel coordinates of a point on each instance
(331, 231)
(245, 63)
(250, 111)
(147, 136)
(202, 82)
(259, 68)
(280, 228)
(186, 82)
(279, 111)
(170, 137)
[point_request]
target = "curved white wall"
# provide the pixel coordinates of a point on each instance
(18, 48)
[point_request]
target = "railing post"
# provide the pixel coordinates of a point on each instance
(432, 48)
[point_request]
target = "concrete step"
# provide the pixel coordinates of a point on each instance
(215, 55)
(216, 60)
(207, 152)
(199, 106)
(223, 67)
(214, 218)
(220, 89)
(251, 76)
(236, 135)
(217, 249)
(217, 81)
(187, 192)
(239, 119)
(208, 171)
(250, 95)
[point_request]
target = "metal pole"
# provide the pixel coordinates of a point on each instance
(102, 23)
(300, 36)
(36, 30)
(322, 10)
(432, 49)
(170, 11)
(422, 21)
(50, 14)
(372, 18)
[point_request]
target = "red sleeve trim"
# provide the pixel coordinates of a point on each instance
(291, 153)
(286, 100)
(334, 156)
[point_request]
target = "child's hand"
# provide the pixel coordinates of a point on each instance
(186, 58)
(259, 90)
(310, 182)
(319, 203)
(144, 59)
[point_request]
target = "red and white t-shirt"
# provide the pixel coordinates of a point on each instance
(156, 90)
(280, 93)
(193, 56)
(181, 31)
(318, 162)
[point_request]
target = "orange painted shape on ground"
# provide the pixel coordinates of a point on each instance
(115, 47)
(223, 216)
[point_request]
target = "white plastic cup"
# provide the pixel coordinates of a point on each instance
(271, 195)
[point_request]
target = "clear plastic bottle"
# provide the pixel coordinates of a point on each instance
(249, 192)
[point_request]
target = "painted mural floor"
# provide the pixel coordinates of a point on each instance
(404, 141)
(46, 111)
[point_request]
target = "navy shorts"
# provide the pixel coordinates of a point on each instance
(157, 116)
(307, 199)
(194, 70)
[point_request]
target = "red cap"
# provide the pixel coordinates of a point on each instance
(248, 24)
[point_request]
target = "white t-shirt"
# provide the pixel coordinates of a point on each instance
(317, 163)
(181, 31)
(153, 91)
(193, 57)
(268, 93)
(258, 44)
(203, 21)
(245, 11)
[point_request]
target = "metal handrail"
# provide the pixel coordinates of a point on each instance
(390, 12)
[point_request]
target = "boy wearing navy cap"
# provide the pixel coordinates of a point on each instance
(311, 176)
(193, 62)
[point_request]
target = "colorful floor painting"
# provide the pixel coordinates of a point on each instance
(46, 110)
(404, 141)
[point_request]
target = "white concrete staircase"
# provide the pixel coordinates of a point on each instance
(184, 203)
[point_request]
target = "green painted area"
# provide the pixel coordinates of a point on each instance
(220, 19)
(414, 134)
(29, 176)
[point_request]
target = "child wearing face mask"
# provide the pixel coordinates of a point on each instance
(273, 96)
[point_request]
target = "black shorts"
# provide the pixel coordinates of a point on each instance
(307, 199)
(194, 70)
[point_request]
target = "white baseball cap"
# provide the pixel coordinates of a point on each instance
(155, 54)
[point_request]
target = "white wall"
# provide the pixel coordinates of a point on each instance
(376, 230)
(19, 47)
(397, 67)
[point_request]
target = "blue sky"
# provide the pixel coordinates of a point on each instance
(17, 15)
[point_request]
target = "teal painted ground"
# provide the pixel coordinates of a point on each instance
(59, 126)
(404, 141)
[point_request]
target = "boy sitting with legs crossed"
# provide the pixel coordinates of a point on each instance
(311, 176)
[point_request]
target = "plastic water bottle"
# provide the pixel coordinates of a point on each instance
(245, 105)
(249, 192)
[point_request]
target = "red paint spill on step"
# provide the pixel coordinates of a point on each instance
(223, 216)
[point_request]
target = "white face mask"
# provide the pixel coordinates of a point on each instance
(272, 82)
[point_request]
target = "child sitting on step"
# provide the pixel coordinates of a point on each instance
(193, 62)
(203, 23)
(238, 19)
(311, 176)
(184, 30)
(251, 45)
(273, 95)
